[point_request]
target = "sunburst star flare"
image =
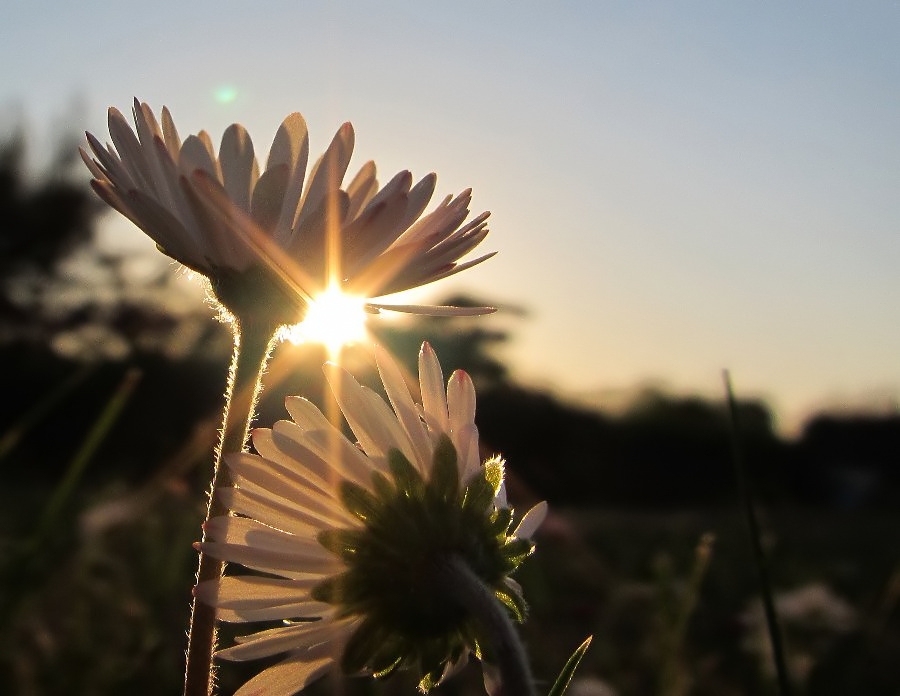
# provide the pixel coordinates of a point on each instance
(352, 536)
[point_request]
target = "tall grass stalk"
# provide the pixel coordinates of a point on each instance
(673, 681)
(759, 558)
(21, 564)
(76, 468)
(42, 408)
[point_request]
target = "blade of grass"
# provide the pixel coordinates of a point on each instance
(89, 446)
(759, 559)
(673, 681)
(568, 671)
(41, 409)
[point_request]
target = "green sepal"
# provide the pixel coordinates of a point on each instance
(340, 591)
(568, 671)
(384, 489)
(494, 470)
(512, 601)
(435, 657)
(330, 590)
(431, 679)
(479, 493)
(516, 550)
(444, 481)
(388, 657)
(389, 670)
(342, 542)
(501, 520)
(428, 682)
(363, 644)
(408, 481)
(358, 501)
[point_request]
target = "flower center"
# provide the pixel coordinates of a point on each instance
(410, 528)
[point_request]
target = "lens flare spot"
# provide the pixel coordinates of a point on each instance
(333, 319)
(226, 94)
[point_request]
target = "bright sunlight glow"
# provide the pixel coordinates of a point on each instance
(334, 319)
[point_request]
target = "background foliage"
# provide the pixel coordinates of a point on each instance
(110, 412)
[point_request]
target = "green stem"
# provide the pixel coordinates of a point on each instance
(252, 345)
(759, 557)
(461, 583)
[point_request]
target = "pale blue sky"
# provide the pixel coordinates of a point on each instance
(676, 187)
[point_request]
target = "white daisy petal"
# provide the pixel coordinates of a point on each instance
(513, 586)
(228, 529)
(258, 475)
(287, 518)
(460, 402)
(430, 310)
(434, 400)
(329, 171)
(467, 449)
(327, 442)
(274, 511)
(492, 684)
(500, 500)
(291, 675)
(418, 198)
(250, 598)
(234, 591)
(289, 565)
(301, 611)
(277, 446)
(278, 640)
(404, 406)
(239, 168)
(373, 423)
(129, 149)
(531, 521)
(170, 133)
(361, 189)
(290, 147)
(327, 453)
(195, 156)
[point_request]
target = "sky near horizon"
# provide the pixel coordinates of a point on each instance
(675, 187)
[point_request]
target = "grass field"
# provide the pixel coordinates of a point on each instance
(100, 605)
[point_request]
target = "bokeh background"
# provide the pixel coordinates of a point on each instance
(676, 188)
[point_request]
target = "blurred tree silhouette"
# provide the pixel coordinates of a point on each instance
(56, 287)
(41, 226)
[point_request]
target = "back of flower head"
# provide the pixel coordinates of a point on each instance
(269, 242)
(395, 553)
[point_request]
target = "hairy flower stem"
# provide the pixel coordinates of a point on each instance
(252, 345)
(464, 587)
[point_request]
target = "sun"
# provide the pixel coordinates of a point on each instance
(333, 319)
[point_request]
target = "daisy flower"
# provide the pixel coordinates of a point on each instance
(355, 540)
(271, 241)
